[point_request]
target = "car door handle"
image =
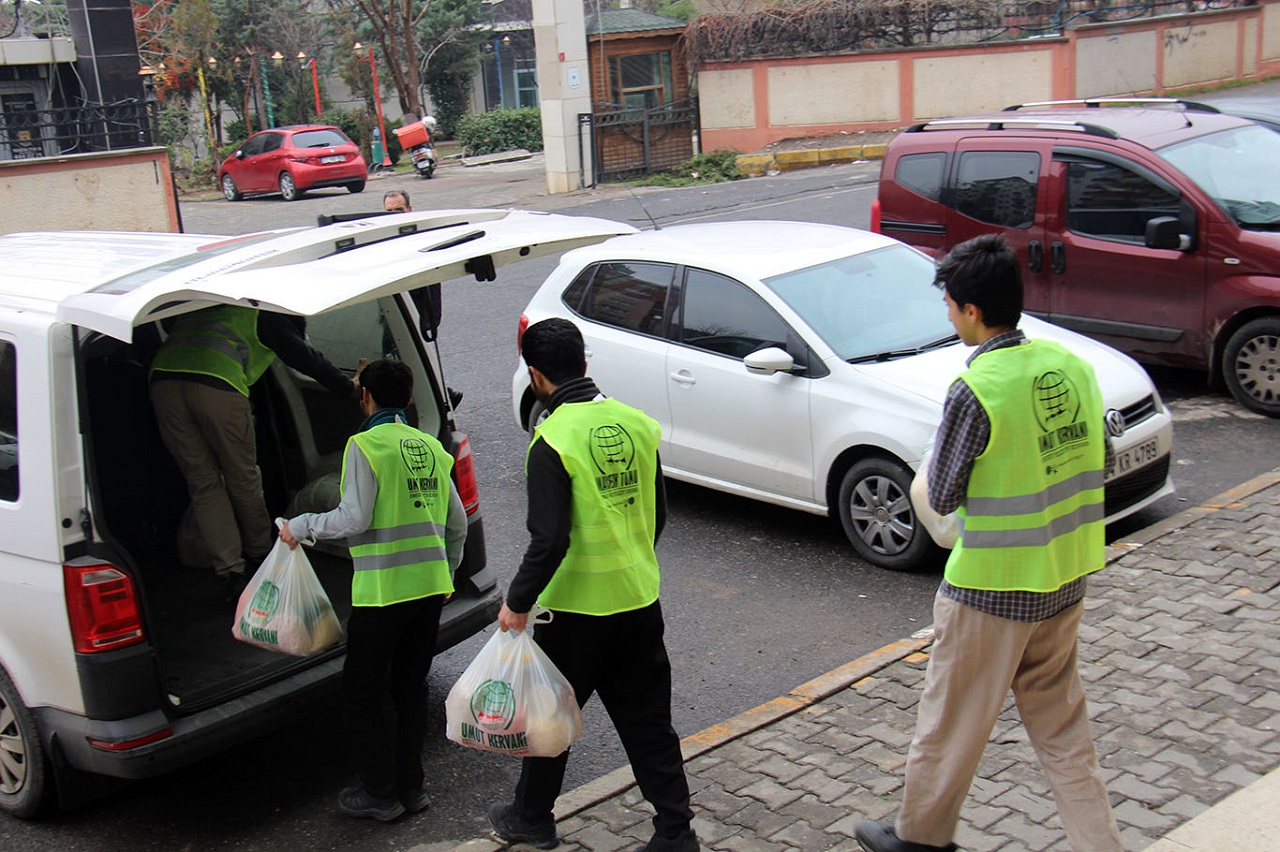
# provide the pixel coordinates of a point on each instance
(684, 378)
(1058, 258)
(1035, 256)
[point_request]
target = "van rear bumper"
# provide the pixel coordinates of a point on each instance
(195, 736)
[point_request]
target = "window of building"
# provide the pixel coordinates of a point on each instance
(641, 80)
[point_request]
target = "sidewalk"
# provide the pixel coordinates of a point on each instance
(1179, 653)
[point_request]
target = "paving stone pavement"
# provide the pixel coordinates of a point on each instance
(1180, 654)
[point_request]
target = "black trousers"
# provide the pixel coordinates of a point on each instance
(389, 649)
(622, 658)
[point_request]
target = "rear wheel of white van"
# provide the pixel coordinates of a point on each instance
(1251, 365)
(26, 788)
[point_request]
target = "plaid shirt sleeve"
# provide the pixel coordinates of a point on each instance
(961, 438)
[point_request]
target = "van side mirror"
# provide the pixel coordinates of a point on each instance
(770, 360)
(1165, 232)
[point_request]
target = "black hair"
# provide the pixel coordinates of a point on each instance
(390, 383)
(984, 272)
(554, 348)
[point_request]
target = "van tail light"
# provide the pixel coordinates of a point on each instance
(103, 607)
(464, 473)
(520, 329)
(875, 216)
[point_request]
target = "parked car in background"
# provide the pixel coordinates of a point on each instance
(805, 365)
(293, 160)
(116, 654)
(1150, 224)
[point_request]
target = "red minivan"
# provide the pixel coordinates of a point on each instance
(1150, 224)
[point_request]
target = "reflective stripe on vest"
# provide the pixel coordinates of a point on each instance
(610, 452)
(1032, 517)
(402, 555)
(221, 342)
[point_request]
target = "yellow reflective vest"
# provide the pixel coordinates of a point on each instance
(610, 451)
(1032, 517)
(221, 342)
(401, 556)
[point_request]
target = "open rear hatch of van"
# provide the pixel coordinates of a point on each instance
(349, 279)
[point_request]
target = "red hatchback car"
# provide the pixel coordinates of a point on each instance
(292, 160)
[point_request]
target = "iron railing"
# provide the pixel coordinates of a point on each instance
(627, 142)
(25, 134)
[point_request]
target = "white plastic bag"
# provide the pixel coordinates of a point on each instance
(943, 529)
(513, 700)
(284, 607)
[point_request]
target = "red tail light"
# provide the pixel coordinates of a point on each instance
(875, 216)
(464, 474)
(524, 323)
(103, 606)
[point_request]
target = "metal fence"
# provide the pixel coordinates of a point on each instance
(25, 134)
(633, 142)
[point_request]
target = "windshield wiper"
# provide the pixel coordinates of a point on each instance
(903, 353)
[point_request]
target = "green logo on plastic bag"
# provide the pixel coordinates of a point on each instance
(493, 705)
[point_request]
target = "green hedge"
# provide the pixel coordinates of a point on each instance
(501, 130)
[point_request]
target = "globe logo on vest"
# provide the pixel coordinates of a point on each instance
(614, 453)
(418, 456)
(1057, 409)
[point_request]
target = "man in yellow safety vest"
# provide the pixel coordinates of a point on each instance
(596, 508)
(1020, 456)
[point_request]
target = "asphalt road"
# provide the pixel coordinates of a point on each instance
(757, 599)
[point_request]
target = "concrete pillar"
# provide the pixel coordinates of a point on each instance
(564, 89)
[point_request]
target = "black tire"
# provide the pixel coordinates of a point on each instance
(230, 191)
(26, 782)
(288, 189)
(1251, 365)
(355, 186)
(875, 511)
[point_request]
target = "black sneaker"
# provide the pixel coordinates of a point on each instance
(882, 837)
(357, 802)
(512, 828)
(415, 801)
(686, 842)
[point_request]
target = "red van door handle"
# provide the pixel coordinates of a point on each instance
(1035, 256)
(1058, 258)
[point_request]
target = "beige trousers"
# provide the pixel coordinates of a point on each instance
(976, 659)
(210, 434)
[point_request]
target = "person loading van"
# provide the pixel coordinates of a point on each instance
(200, 380)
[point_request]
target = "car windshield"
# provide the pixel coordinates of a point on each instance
(1240, 168)
(319, 139)
(871, 306)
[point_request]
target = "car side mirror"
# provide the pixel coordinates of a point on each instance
(1165, 232)
(239, 154)
(770, 360)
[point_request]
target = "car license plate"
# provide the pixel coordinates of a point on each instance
(332, 158)
(1134, 458)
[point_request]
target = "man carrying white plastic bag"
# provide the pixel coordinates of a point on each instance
(513, 700)
(596, 508)
(405, 525)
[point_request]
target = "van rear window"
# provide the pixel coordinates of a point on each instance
(8, 422)
(922, 174)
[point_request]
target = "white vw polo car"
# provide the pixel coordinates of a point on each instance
(805, 365)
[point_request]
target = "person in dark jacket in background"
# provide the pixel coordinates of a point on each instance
(200, 380)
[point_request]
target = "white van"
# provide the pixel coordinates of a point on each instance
(116, 658)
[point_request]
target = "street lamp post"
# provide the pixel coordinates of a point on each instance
(377, 100)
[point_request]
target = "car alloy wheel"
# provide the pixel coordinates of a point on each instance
(876, 512)
(230, 191)
(288, 189)
(1251, 365)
